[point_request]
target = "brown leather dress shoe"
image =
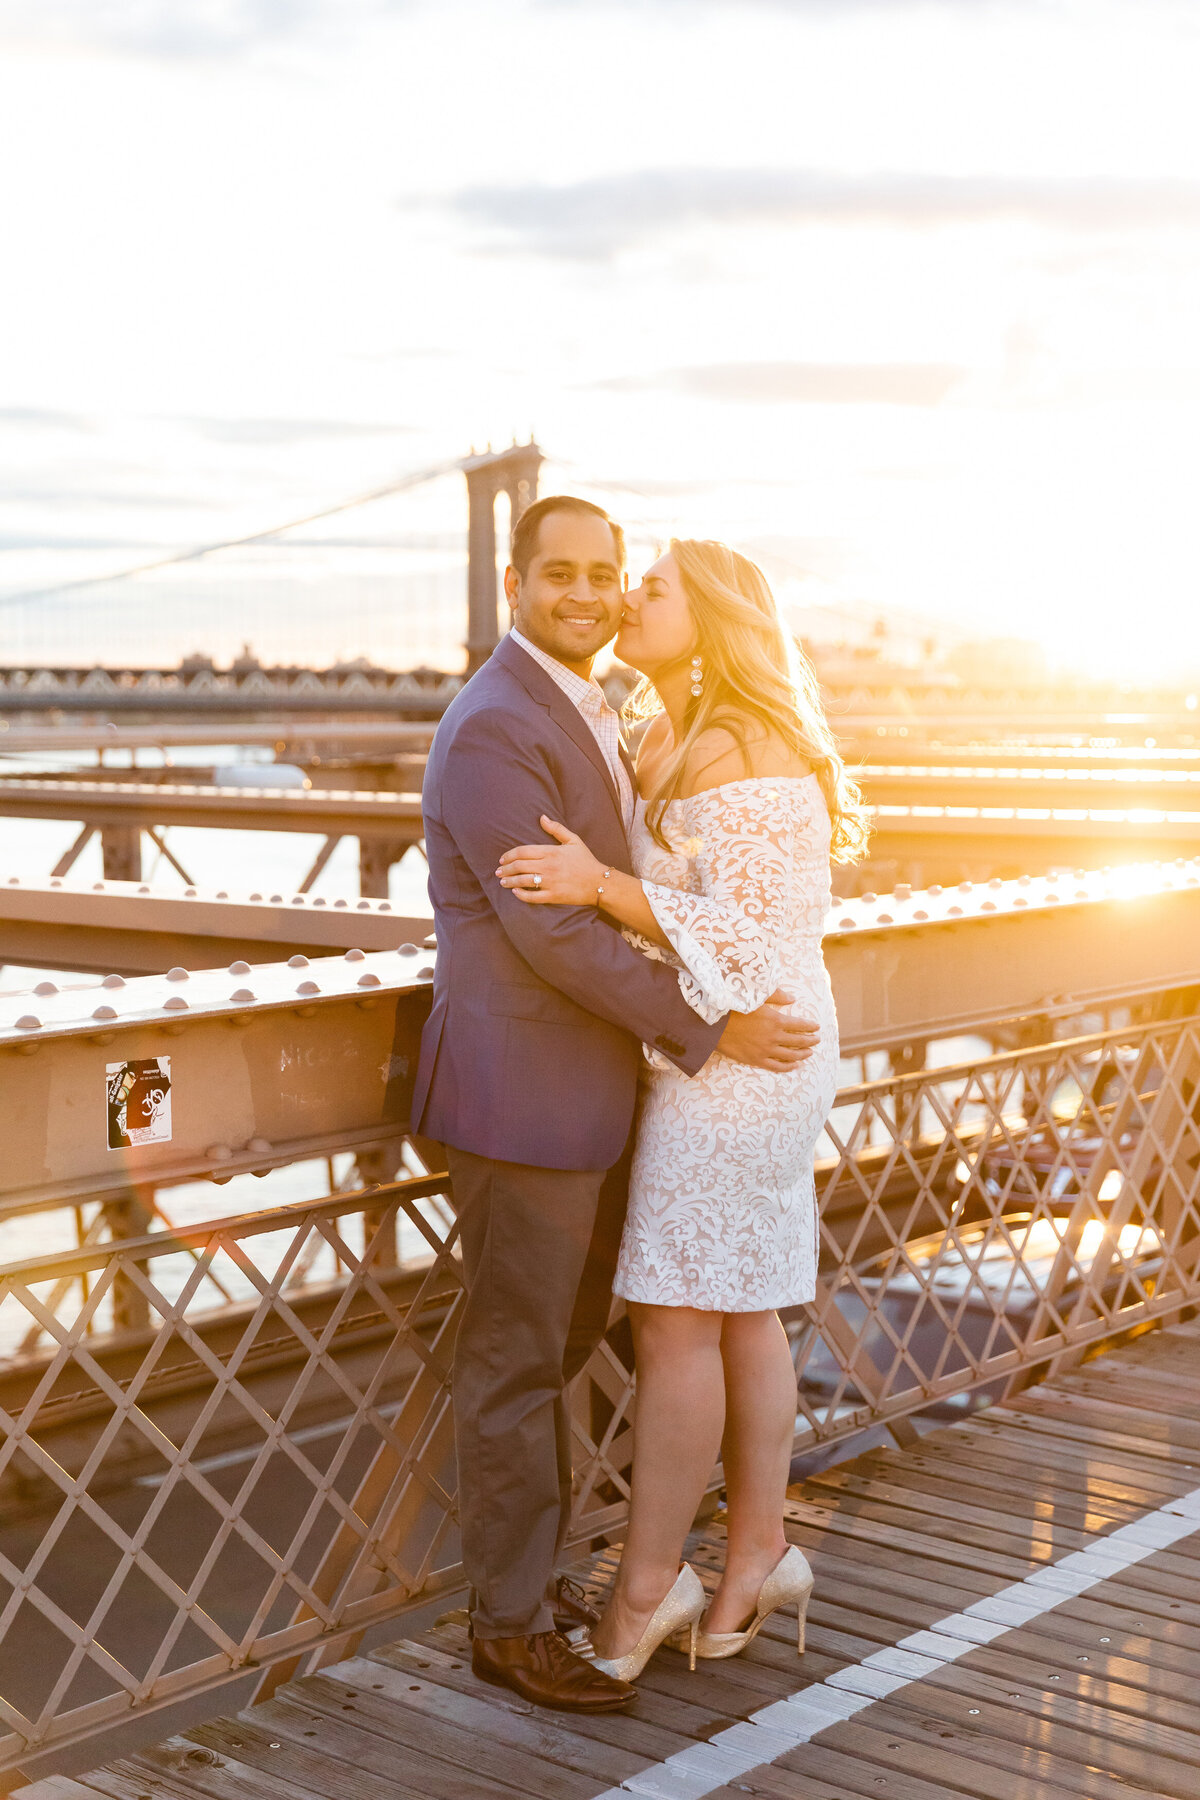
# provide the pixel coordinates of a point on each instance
(543, 1668)
(571, 1606)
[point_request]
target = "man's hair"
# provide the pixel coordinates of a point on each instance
(525, 531)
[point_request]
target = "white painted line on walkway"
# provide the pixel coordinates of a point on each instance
(785, 1725)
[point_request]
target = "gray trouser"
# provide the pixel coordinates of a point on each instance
(539, 1249)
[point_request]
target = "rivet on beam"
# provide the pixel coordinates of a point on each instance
(29, 1022)
(369, 980)
(296, 962)
(45, 987)
(178, 974)
(241, 995)
(105, 1012)
(355, 956)
(308, 987)
(239, 968)
(113, 981)
(175, 1003)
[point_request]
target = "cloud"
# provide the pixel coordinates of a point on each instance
(825, 384)
(287, 431)
(42, 418)
(183, 27)
(602, 216)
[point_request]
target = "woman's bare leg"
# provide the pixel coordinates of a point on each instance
(679, 1419)
(760, 1398)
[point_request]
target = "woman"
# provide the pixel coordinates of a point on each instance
(743, 800)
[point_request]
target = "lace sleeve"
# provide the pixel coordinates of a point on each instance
(730, 935)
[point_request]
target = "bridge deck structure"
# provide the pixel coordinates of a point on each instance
(1007, 1609)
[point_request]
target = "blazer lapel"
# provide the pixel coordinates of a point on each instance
(542, 688)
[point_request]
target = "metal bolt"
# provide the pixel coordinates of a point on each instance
(175, 1003)
(363, 906)
(218, 1153)
(105, 1012)
(318, 901)
(113, 981)
(239, 968)
(178, 974)
(297, 962)
(308, 987)
(241, 995)
(189, 893)
(355, 956)
(45, 987)
(29, 1022)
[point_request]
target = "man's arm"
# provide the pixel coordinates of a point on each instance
(492, 792)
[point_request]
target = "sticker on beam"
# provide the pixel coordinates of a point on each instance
(139, 1102)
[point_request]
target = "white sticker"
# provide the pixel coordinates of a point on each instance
(139, 1102)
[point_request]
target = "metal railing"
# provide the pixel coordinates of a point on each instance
(265, 1469)
(228, 1446)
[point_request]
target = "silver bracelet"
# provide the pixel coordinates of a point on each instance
(600, 889)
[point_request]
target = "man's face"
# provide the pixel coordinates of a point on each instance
(569, 604)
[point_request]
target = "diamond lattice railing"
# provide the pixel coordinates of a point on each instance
(264, 1466)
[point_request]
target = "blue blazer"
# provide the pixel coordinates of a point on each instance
(531, 1050)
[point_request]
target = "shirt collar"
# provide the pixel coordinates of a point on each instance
(584, 691)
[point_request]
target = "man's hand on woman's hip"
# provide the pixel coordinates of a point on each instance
(769, 1038)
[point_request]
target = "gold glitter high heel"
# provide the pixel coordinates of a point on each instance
(790, 1583)
(677, 1615)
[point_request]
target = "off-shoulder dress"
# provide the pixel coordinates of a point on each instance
(722, 1206)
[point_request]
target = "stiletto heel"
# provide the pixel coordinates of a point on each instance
(790, 1583)
(680, 1611)
(695, 1632)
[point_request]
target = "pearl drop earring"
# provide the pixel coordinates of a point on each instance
(697, 676)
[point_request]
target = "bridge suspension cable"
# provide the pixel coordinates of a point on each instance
(415, 479)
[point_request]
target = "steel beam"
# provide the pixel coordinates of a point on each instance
(263, 1067)
(123, 928)
(325, 812)
(271, 1064)
(915, 964)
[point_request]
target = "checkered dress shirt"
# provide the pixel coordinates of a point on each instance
(587, 696)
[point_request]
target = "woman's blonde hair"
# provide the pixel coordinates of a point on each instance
(754, 674)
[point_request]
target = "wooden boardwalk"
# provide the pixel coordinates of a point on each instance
(1010, 1609)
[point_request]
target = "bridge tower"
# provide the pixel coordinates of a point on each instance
(515, 472)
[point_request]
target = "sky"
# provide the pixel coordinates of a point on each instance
(900, 295)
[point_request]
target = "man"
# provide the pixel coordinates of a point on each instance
(528, 1075)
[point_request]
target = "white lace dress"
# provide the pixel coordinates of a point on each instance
(722, 1208)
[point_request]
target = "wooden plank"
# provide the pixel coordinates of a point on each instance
(1048, 1423)
(527, 1729)
(408, 1731)
(995, 1754)
(925, 1495)
(630, 1732)
(339, 1761)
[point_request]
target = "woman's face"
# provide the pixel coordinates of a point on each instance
(656, 627)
